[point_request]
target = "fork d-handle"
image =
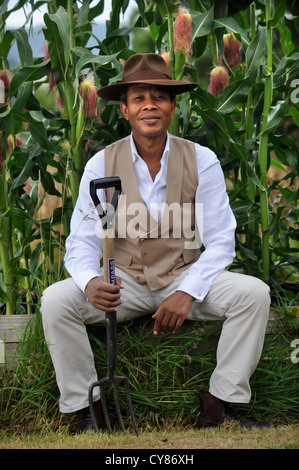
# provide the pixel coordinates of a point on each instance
(105, 183)
(111, 321)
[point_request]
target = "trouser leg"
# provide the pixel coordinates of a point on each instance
(65, 314)
(63, 306)
(242, 302)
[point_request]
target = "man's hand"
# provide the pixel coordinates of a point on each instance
(103, 295)
(172, 312)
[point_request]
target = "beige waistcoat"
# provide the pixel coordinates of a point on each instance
(154, 252)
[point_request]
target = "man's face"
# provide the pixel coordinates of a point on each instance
(149, 110)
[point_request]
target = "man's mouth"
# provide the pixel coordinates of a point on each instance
(150, 119)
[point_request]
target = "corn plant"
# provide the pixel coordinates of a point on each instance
(245, 61)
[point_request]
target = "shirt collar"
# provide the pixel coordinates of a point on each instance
(136, 156)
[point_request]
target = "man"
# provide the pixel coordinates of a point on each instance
(159, 268)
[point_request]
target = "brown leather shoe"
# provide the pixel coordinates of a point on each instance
(85, 423)
(214, 412)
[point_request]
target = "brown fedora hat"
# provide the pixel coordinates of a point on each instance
(150, 69)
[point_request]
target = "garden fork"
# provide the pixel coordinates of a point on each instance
(107, 218)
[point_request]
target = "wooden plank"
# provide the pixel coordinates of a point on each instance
(12, 327)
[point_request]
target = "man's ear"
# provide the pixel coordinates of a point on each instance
(124, 110)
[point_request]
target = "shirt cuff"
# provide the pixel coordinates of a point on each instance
(83, 278)
(197, 288)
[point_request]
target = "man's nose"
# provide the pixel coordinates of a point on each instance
(149, 102)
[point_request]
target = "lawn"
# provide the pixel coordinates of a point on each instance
(228, 436)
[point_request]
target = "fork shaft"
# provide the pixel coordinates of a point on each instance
(108, 256)
(111, 332)
(111, 319)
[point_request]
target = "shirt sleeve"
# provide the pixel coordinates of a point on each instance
(83, 245)
(216, 225)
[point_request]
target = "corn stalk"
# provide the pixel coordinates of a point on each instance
(249, 135)
(6, 248)
(263, 148)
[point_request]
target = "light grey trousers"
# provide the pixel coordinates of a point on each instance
(241, 301)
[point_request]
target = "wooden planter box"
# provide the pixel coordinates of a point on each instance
(12, 329)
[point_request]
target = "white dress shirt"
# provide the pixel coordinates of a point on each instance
(83, 245)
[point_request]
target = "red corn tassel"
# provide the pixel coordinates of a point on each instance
(183, 33)
(232, 50)
(88, 91)
(166, 57)
(45, 50)
(18, 142)
(219, 79)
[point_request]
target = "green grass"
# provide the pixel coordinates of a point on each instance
(228, 436)
(165, 373)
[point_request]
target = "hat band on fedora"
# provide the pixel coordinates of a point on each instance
(146, 75)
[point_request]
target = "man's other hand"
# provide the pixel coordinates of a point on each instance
(172, 312)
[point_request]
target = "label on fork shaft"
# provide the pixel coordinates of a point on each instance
(111, 270)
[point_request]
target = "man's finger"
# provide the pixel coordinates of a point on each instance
(156, 316)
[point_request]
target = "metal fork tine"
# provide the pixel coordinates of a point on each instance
(116, 400)
(91, 407)
(130, 405)
(104, 406)
(102, 384)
